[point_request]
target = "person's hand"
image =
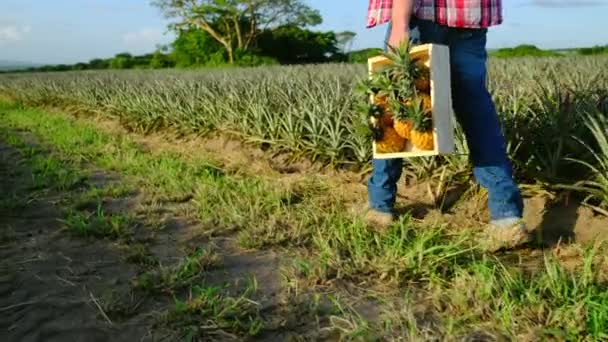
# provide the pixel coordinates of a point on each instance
(398, 37)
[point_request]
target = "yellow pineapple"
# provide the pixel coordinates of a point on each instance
(380, 100)
(403, 127)
(390, 142)
(427, 103)
(403, 122)
(387, 120)
(422, 130)
(423, 81)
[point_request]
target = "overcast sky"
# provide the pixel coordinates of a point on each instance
(69, 31)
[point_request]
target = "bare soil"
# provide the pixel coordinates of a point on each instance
(51, 284)
(57, 287)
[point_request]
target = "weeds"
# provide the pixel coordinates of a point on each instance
(210, 314)
(169, 279)
(406, 253)
(98, 223)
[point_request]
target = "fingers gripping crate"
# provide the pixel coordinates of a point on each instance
(437, 59)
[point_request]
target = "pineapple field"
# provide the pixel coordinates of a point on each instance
(224, 205)
(552, 111)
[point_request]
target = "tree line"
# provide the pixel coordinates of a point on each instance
(250, 33)
(236, 32)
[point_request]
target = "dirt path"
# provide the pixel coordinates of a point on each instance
(57, 287)
(51, 283)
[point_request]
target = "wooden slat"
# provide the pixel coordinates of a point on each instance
(441, 96)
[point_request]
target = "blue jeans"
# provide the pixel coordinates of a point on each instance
(475, 112)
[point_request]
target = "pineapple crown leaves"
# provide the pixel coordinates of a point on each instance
(367, 86)
(403, 65)
(368, 127)
(362, 104)
(367, 131)
(416, 111)
(378, 84)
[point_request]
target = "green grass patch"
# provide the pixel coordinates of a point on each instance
(209, 311)
(99, 223)
(220, 200)
(167, 279)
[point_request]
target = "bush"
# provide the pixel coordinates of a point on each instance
(523, 51)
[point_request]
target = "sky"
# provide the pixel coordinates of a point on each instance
(70, 31)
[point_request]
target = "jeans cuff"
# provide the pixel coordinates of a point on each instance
(506, 222)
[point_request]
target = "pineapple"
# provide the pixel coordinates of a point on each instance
(386, 120)
(381, 100)
(390, 142)
(403, 127)
(422, 131)
(423, 82)
(427, 103)
(403, 122)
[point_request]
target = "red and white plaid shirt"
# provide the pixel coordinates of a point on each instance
(454, 13)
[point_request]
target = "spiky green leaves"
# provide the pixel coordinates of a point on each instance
(404, 67)
(422, 120)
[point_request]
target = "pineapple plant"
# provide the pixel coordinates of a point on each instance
(421, 135)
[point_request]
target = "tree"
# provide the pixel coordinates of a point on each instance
(98, 63)
(235, 24)
(345, 40)
(122, 61)
(194, 47)
(524, 50)
(290, 44)
(361, 56)
(160, 60)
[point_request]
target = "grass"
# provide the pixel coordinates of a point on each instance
(98, 223)
(218, 198)
(210, 314)
(176, 277)
(452, 290)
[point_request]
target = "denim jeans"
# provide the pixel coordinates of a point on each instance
(475, 112)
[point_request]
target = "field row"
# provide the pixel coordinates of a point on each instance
(548, 107)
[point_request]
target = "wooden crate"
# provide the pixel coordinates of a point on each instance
(437, 59)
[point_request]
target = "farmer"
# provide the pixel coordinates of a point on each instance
(462, 26)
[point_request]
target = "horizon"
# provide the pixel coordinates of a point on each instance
(78, 31)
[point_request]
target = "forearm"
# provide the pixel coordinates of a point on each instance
(402, 11)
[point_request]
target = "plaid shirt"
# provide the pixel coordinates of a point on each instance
(454, 13)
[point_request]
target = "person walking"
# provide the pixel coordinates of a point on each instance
(461, 25)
